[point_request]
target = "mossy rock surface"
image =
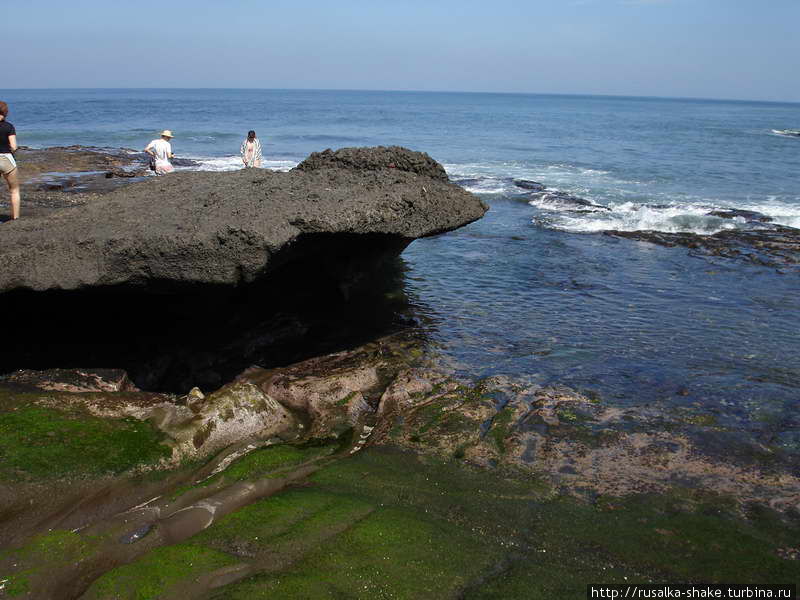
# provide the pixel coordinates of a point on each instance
(390, 553)
(386, 523)
(40, 443)
(52, 551)
(158, 574)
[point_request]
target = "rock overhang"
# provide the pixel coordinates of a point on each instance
(226, 229)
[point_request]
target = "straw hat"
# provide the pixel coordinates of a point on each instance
(167, 133)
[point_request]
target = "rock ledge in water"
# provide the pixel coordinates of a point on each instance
(232, 228)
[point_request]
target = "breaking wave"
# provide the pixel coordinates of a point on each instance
(584, 200)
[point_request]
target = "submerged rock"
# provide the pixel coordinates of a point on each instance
(776, 246)
(747, 215)
(526, 184)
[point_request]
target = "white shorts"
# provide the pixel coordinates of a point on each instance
(163, 167)
(7, 163)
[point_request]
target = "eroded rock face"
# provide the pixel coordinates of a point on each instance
(188, 279)
(304, 443)
(385, 394)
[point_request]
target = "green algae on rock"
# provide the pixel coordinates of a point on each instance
(40, 442)
(390, 523)
(392, 478)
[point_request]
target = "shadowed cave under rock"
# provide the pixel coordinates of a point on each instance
(323, 293)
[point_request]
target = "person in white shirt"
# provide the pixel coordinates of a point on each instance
(161, 151)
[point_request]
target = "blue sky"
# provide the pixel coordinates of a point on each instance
(741, 49)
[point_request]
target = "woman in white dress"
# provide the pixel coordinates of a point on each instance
(251, 150)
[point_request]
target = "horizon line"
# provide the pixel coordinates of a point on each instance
(499, 93)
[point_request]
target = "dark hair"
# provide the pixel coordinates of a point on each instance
(3, 109)
(251, 135)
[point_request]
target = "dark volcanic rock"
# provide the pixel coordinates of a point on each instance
(747, 215)
(373, 159)
(533, 186)
(231, 228)
(775, 247)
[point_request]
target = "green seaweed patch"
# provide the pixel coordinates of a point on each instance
(390, 523)
(57, 548)
(567, 415)
(426, 417)
(271, 461)
(592, 396)
(390, 553)
(478, 393)
(501, 427)
(158, 572)
(435, 422)
(288, 524)
(702, 420)
(38, 442)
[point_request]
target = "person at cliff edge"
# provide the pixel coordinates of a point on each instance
(161, 151)
(8, 166)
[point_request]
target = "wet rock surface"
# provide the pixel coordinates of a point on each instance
(388, 385)
(747, 215)
(776, 246)
(334, 470)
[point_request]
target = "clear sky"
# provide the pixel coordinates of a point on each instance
(742, 49)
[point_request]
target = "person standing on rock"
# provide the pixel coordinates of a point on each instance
(8, 166)
(161, 151)
(251, 150)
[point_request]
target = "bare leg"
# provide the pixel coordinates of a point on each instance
(13, 188)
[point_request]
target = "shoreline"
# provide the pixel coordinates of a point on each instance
(331, 472)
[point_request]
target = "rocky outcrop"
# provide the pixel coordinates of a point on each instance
(188, 279)
(305, 473)
(387, 393)
(233, 228)
(376, 159)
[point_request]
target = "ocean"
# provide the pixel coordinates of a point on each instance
(536, 290)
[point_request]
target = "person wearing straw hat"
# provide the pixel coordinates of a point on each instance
(161, 151)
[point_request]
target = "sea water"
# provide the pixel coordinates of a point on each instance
(535, 289)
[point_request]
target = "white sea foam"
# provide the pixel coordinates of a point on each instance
(787, 132)
(677, 217)
(234, 163)
(631, 216)
(633, 205)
